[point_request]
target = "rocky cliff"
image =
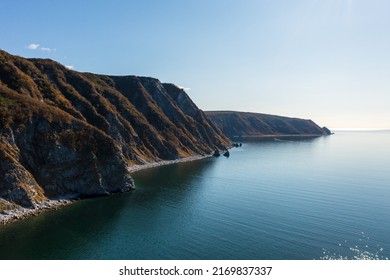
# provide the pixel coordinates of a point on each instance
(68, 133)
(236, 124)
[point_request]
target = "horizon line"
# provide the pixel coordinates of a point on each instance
(360, 129)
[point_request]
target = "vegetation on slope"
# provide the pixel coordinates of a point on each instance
(235, 124)
(68, 133)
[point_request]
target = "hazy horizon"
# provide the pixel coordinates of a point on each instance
(322, 60)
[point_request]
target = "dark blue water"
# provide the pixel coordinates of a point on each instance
(327, 197)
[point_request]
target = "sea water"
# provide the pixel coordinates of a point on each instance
(319, 198)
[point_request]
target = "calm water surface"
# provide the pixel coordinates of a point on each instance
(327, 197)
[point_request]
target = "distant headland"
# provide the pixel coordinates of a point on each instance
(243, 125)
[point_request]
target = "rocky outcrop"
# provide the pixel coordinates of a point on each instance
(326, 131)
(65, 133)
(242, 124)
(49, 154)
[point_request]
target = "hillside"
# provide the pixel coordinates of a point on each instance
(241, 124)
(68, 133)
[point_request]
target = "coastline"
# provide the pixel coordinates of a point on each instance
(138, 167)
(267, 136)
(9, 216)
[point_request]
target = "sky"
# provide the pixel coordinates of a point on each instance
(325, 60)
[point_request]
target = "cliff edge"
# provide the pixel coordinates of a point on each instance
(65, 133)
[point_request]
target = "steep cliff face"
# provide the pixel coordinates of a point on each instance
(69, 133)
(236, 124)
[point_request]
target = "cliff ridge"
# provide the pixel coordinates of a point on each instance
(65, 133)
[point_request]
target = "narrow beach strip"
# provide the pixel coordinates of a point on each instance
(8, 216)
(138, 167)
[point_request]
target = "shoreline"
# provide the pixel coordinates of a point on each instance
(138, 167)
(20, 213)
(260, 136)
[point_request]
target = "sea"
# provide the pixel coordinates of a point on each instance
(277, 198)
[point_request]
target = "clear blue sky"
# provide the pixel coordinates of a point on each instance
(328, 60)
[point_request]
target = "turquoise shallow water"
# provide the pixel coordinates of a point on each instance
(327, 197)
